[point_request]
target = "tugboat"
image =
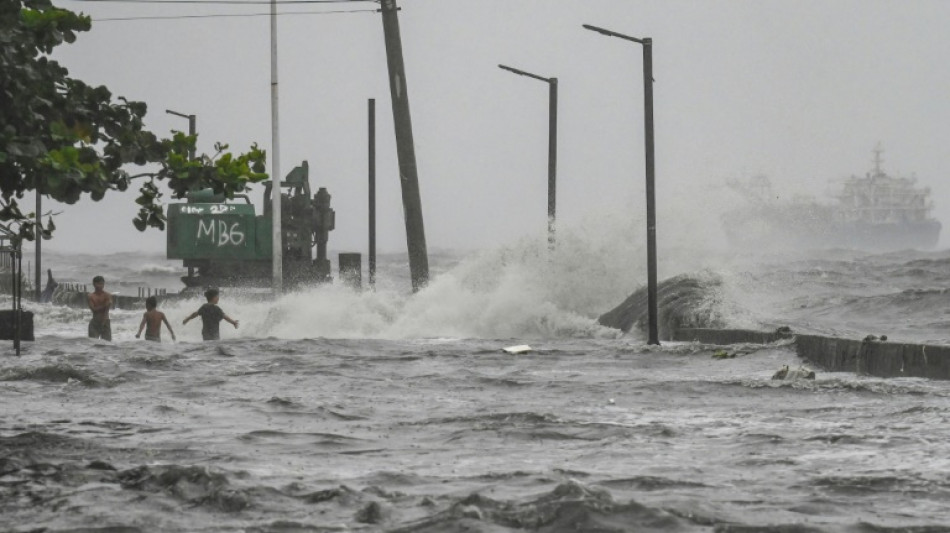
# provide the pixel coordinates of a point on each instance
(877, 212)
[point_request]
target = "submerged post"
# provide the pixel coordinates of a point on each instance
(405, 150)
(372, 192)
(17, 296)
(13, 284)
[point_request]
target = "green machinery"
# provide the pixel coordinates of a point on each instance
(226, 244)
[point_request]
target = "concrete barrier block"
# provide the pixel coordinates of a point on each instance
(882, 359)
(830, 353)
(7, 325)
(874, 357)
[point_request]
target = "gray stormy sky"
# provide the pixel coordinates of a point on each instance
(799, 91)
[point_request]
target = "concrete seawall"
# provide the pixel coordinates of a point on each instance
(870, 357)
(875, 358)
(729, 336)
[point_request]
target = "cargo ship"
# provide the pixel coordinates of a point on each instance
(876, 212)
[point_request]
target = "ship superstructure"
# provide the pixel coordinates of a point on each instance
(878, 198)
(876, 212)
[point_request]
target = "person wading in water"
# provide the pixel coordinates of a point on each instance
(100, 302)
(211, 316)
(153, 320)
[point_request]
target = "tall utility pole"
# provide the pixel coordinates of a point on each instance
(647, 44)
(278, 247)
(552, 146)
(405, 150)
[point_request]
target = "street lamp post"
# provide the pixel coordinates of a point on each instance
(552, 146)
(191, 154)
(191, 127)
(647, 44)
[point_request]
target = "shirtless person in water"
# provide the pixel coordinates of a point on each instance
(152, 321)
(100, 302)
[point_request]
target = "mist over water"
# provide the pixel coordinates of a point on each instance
(526, 290)
(332, 409)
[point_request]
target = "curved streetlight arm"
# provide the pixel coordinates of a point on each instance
(528, 74)
(176, 113)
(191, 127)
(610, 33)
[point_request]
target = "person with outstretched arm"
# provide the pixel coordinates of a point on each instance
(211, 316)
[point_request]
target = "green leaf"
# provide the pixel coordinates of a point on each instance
(139, 223)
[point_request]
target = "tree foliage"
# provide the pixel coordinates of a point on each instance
(66, 139)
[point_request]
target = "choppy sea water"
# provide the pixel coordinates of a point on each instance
(335, 410)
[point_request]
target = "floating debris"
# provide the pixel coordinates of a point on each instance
(801, 372)
(521, 348)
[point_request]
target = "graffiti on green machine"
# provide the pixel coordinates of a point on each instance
(220, 233)
(216, 209)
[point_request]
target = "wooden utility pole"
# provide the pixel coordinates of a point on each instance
(405, 150)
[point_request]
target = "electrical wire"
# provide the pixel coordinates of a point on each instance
(232, 3)
(177, 17)
(228, 2)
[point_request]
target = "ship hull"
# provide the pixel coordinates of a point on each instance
(921, 235)
(770, 233)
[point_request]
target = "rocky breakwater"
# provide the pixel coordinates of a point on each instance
(683, 302)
